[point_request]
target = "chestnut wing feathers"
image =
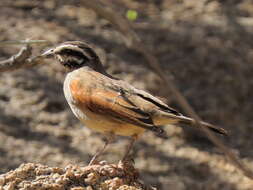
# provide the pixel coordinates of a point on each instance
(117, 106)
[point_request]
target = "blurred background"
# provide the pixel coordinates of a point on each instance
(206, 44)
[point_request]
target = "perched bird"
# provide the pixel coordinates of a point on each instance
(109, 105)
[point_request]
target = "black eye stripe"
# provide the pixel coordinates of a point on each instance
(73, 53)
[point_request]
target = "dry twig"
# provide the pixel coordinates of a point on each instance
(20, 60)
(14, 42)
(134, 42)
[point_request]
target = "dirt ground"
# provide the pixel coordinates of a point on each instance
(207, 45)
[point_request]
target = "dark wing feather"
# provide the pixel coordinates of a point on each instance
(158, 103)
(112, 104)
(133, 94)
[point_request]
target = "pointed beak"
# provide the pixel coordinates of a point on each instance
(48, 53)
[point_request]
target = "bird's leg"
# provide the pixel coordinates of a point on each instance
(129, 147)
(109, 139)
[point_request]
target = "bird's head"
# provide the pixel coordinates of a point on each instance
(74, 55)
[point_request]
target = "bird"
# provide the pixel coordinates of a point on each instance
(110, 105)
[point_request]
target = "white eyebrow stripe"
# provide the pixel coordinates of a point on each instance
(73, 47)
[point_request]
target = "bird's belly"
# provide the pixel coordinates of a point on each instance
(104, 124)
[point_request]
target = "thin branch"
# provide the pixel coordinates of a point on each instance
(125, 28)
(13, 42)
(20, 60)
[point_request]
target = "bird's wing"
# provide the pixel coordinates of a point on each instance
(114, 104)
(156, 101)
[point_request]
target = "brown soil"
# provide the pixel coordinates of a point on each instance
(207, 45)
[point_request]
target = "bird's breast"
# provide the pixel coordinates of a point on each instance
(70, 99)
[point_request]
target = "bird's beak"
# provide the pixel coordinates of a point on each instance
(48, 53)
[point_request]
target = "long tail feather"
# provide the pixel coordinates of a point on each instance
(182, 120)
(188, 121)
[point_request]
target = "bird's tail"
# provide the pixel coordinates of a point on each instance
(188, 121)
(182, 120)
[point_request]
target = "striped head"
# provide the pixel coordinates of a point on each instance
(74, 55)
